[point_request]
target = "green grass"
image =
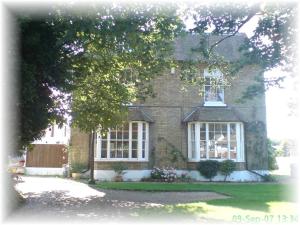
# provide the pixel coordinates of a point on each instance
(257, 199)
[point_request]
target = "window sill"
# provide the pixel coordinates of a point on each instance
(235, 160)
(215, 104)
(120, 160)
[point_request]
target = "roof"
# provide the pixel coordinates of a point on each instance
(137, 114)
(213, 114)
(229, 48)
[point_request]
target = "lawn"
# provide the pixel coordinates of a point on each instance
(248, 202)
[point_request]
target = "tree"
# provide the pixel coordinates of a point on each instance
(60, 50)
(272, 44)
(272, 164)
(41, 70)
(121, 54)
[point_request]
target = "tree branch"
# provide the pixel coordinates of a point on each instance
(231, 35)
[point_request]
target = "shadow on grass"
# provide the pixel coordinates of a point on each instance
(247, 196)
(255, 197)
(179, 212)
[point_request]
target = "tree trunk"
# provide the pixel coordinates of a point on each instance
(92, 180)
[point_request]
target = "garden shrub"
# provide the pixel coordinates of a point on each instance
(268, 178)
(272, 164)
(208, 168)
(156, 173)
(227, 167)
(119, 168)
(77, 167)
(164, 174)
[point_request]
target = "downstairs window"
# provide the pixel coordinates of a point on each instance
(218, 141)
(127, 142)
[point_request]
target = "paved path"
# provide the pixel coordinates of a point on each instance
(49, 198)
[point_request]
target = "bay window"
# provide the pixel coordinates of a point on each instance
(215, 140)
(127, 142)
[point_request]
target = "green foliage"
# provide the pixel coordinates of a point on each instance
(208, 168)
(105, 58)
(174, 155)
(268, 178)
(41, 71)
(272, 165)
(119, 168)
(78, 167)
(272, 44)
(164, 174)
(117, 49)
(227, 167)
(257, 140)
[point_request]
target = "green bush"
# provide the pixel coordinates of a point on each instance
(268, 178)
(227, 167)
(208, 168)
(272, 164)
(78, 167)
(119, 168)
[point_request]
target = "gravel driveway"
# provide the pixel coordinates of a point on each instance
(52, 199)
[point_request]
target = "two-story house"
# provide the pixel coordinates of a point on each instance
(178, 128)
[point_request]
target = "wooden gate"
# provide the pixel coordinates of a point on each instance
(47, 155)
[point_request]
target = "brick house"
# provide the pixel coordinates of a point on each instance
(179, 128)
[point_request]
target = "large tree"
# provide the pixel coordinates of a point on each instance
(129, 47)
(271, 45)
(125, 46)
(122, 45)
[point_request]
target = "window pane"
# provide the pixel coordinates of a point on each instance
(104, 153)
(220, 95)
(193, 148)
(126, 145)
(125, 154)
(143, 149)
(134, 154)
(134, 145)
(104, 145)
(119, 154)
(232, 132)
(232, 154)
(125, 134)
(233, 146)
(193, 139)
(144, 131)
(202, 149)
(113, 145)
(134, 130)
(113, 134)
(112, 153)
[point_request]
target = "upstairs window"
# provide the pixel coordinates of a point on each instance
(213, 88)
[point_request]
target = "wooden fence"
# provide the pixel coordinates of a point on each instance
(47, 155)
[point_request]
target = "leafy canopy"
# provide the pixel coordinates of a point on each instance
(107, 56)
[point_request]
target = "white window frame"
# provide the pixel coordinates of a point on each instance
(240, 157)
(216, 73)
(140, 139)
